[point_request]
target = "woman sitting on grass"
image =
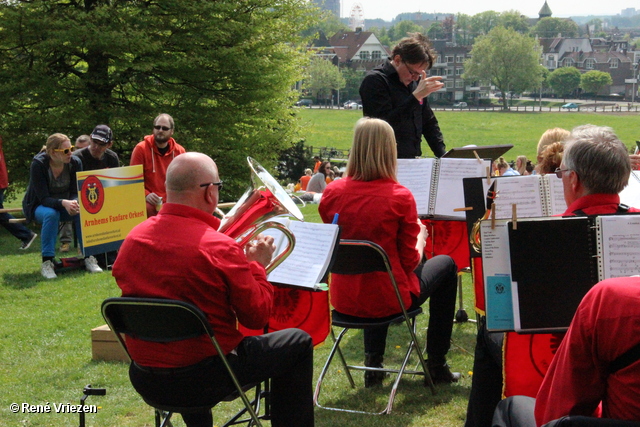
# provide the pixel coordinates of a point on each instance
(52, 197)
(373, 206)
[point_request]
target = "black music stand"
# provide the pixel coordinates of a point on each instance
(484, 152)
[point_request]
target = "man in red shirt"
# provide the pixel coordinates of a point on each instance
(594, 169)
(179, 254)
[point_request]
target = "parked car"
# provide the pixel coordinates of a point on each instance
(353, 106)
(498, 94)
(304, 103)
(460, 105)
(570, 105)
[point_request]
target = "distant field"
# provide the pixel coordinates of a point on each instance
(334, 128)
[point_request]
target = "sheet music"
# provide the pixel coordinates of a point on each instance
(524, 191)
(307, 264)
(415, 174)
(496, 267)
(557, 204)
(620, 243)
(630, 195)
(450, 194)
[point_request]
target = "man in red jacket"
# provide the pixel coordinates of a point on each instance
(179, 254)
(155, 153)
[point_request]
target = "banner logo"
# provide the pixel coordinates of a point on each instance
(92, 194)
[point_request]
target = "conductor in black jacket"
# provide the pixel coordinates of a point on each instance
(397, 91)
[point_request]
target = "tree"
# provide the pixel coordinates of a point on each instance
(593, 81)
(482, 23)
(436, 31)
(463, 30)
(324, 77)
(353, 79)
(506, 58)
(514, 20)
(225, 70)
(401, 30)
(564, 80)
(551, 27)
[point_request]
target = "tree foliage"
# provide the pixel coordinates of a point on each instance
(593, 81)
(507, 59)
(551, 27)
(324, 77)
(223, 69)
(564, 80)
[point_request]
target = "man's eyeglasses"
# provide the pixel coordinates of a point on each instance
(164, 128)
(100, 143)
(218, 184)
(65, 150)
(559, 171)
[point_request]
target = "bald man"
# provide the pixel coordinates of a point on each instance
(179, 254)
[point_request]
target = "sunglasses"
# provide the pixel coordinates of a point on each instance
(65, 150)
(100, 143)
(164, 128)
(218, 184)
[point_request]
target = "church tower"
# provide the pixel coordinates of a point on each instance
(545, 12)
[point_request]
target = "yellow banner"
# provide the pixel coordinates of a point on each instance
(111, 203)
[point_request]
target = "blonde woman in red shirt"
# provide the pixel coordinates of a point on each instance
(373, 206)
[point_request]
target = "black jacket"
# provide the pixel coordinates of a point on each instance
(385, 97)
(38, 189)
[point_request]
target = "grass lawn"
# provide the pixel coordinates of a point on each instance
(45, 356)
(45, 343)
(334, 128)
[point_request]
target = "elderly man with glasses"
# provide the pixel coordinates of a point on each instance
(155, 153)
(195, 263)
(397, 91)
(594, 169)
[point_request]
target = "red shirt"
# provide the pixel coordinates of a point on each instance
(606, 325)
(383, 212)
(179, 254)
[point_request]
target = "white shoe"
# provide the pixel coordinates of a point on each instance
(48, 270)
(91, 265)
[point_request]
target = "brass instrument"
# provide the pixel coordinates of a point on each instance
(474, 236)
(265, 199)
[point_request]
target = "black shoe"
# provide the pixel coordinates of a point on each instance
(440, 374)
(373, 378)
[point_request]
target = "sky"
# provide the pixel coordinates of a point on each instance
(388, 10)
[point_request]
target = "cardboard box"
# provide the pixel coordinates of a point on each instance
(105, 345)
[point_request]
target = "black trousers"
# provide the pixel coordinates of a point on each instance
(286, 357)
(486, 383)
(438, 283)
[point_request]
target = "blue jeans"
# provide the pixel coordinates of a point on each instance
(50, 219)
(18, 230)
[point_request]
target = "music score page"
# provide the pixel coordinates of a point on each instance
(620, 245)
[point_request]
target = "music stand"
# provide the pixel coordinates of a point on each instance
(484, 152)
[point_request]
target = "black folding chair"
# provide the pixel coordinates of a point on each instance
(355, 257)
(163, 320)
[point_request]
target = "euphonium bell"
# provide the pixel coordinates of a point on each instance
(265, 199)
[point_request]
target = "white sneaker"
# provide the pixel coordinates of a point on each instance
(48, 270)
(91, 265)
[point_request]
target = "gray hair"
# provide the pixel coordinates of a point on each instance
(599, 158)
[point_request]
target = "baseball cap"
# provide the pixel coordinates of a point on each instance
(102, 133)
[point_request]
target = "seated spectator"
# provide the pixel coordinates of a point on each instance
(318, 182)
(589, 375)
(505, 169)
(304, 180)
(19, 231)
(197, 264)
(373, 206)
(52, 196)
(521, 165)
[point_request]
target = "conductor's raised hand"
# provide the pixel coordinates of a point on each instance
(427, 85)
(260, 249)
